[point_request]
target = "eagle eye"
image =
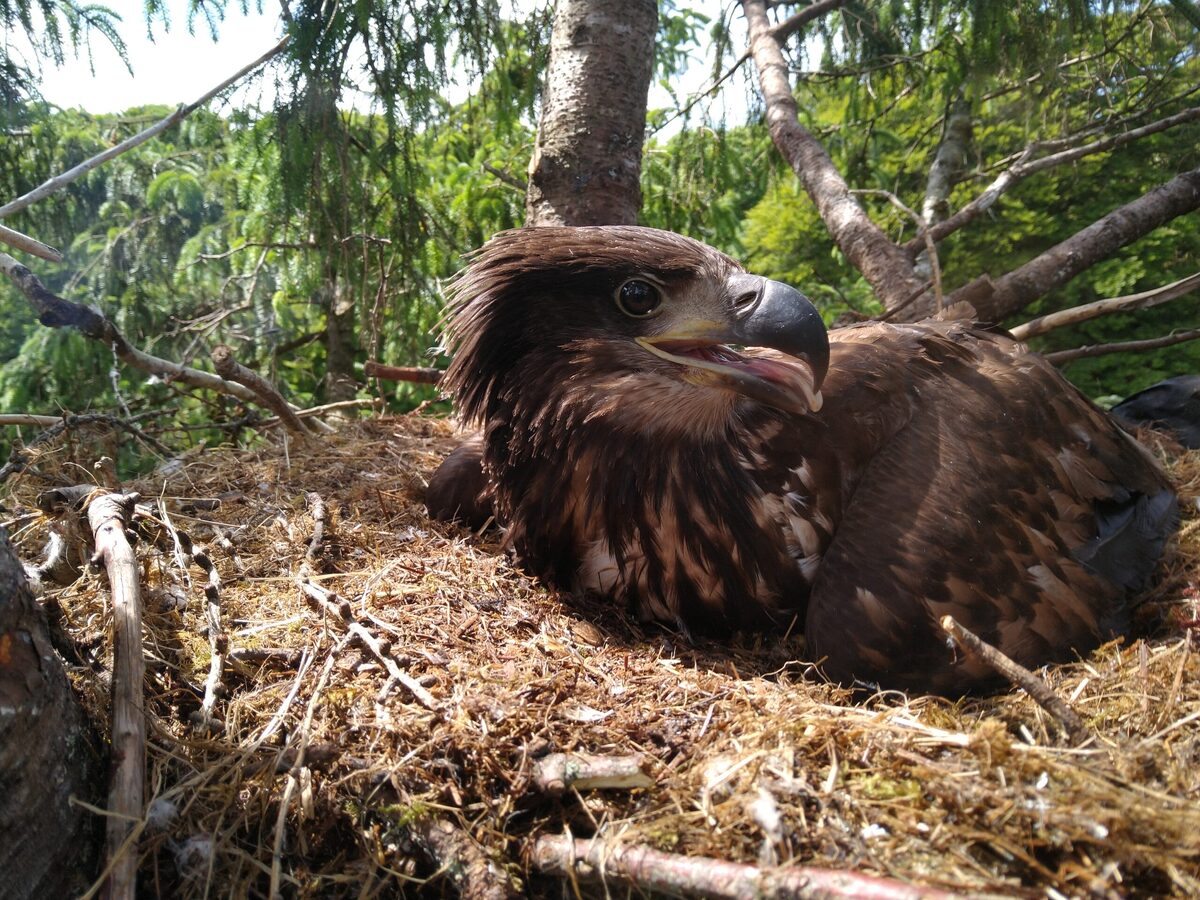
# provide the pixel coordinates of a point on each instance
(638, 298)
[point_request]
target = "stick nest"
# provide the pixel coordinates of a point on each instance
(751, 759)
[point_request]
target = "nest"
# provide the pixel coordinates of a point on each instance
(328, 775)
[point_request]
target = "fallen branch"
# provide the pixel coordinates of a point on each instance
(218, 639)
(14, 238)
(1061, 357)
(560, 772)
(417, 374)
(459, 858)
(339, 609)
(649, 870)
(1021, 677)
(108, 516)
(1088, 311)
(58, 182)
(320, 518)
(231, 370)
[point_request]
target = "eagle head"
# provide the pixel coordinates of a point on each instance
(637, 326)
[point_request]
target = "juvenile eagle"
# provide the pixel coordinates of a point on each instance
(662, 428)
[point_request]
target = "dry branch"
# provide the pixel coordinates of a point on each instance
(1024, 167)
(994, 299)
(108, 515)
(1021, 677)
(58, 182)
(30, 245)
(339, 609)
(316, 544)
(560, 772)
(645, 869)
(231, 370)
(1062, 357)
(459, 858)
(886, 267)
(1088, 311)
(417, 374)
(218, 639)
(55, 312)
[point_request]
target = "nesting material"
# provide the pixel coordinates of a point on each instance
(324, 772)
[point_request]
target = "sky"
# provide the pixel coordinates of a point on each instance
(174, 66)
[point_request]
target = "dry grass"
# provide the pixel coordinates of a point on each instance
(750, 761)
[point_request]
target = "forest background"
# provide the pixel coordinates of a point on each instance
(313, 236)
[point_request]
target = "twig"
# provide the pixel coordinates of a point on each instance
(417, 374)
(108, 515)
(56, 425)
(1022, 168)
(507, 178)
(1087, 311)
(1021, 677)
(461, 860)
(1061, 357)
(339, 609)
(560, 772)
(218, 639)
(297, 766)
(320, 517)
(650, 870)
(14, 238)
(58, 182)
(231, 370)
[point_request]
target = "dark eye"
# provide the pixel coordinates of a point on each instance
(638, 298)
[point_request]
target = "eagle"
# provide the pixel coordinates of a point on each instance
(662, 428)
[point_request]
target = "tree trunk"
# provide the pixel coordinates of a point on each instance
(339, 339)
(586, 165)
(48, 752)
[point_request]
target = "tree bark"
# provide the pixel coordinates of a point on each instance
(48, 752)
(586, 164)
(947, 168)
(995, 299)
(885, 266)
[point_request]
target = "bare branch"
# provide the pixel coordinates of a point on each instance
(795, 22)
(58, 182)
(1077, 314)
(265, 392)
(1023, 168)
(886, 267)
(30, 245)
(1179, 337)
(653, 871)
(1021, 677)
(108, 516)
(560, 772)
(1003, 296)
(416, 374)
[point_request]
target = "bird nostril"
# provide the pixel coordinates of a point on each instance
(746, 300)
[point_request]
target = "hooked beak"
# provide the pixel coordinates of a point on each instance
(766, 314)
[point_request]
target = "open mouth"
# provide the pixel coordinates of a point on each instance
(779, 380)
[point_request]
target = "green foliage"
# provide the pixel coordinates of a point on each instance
(285, 232)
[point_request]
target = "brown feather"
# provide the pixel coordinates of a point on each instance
(949, 471)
